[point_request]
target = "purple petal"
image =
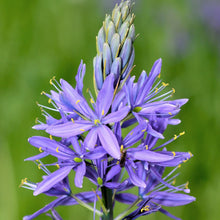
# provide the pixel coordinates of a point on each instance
(171, 199)
(112, 172)
(105, 95)
(52, 147)
(80, 172)
(116, 116)
(91, 139)
(44, 209)
(37, 157)
(70, 129)
(109, 141)
(126, 198)
(96, 153)
(150, 156)
(134, 178)
(52, 179)
(112, 185)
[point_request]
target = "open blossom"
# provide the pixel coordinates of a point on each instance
(112, 138)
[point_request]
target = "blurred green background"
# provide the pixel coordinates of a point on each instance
(43, 38)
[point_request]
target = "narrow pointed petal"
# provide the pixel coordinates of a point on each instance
(165, 212)
(116, 116)
(105, 95)
(52, 180)
(126, 198)
(37, 157)
(96, 153)
(150, 156)
(109, 141)
(52, 147)
(80, 172)
(134, 178)
(69, 129)
(44, 209)
(91, 139)
(112, 172)
(171, 199)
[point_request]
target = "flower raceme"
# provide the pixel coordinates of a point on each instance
(112, 139)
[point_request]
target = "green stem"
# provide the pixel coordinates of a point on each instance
(107, 200)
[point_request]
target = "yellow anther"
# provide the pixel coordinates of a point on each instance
(169, 113)
(96, 121)
(179, 165)
(51, 80)
(41, 109)
(190, 154)
(103, 112)
(40, 149)
(174, 154)
(22, 183)
(51, 138)
(184, 161)
(77, 101)
(173, 90)
(187, 185)
(165, 84)
(42, 93)
(72, 120)
(82, 129)
(87, 90)
(146, 146)
(159, 76)
(145, 208)
(131, 133)
(117, 162)
(156, 90)
(57, 149)
(143, 130)
(49, 101)
(39, 165)
(122, 147)
(58, 166)
(37, 160)
(25, 180)
(182, 133)
(175, 137)
(36, 120)
(174, 182)
(92, 101)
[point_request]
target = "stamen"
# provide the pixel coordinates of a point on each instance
(187, 185)
(51, 138)
(40, 149)
(156, 90)
(131, 133)
(143, 130)
(159, 76)
(145, 209)
(72, 120)
(87, 90)
(122, 147)
(182, 133)
(179, 165)
(103, 112)
(174, 154)
(58, 166)
(57, 149)
(174, 181)
(82, 129)
(175, 137)
(96, 121)
(92, 101)
(77, 101)
(146, 146)
(42, 93)
(169, 113)
(39, 166)
(36, 120)
(165, 84)
(49, 100)
(173, 90)
(190, 154)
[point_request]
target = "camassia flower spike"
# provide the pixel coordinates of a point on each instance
(111, 139)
